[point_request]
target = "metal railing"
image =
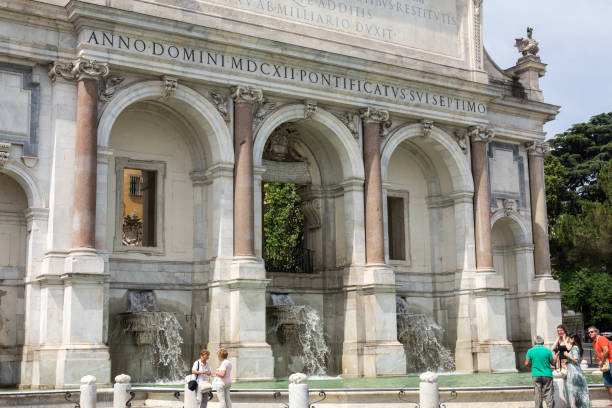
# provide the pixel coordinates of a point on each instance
(277, 394)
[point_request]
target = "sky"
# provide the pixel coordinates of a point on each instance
(575, 39)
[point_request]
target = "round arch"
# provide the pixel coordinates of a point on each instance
(214, 134)
(23, 177)
(337, 134)
(514, 223)
(438, 141)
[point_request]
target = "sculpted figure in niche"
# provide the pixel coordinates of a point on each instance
(527, 45)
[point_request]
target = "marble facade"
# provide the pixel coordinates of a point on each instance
(402, 103)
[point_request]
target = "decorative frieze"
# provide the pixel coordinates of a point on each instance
(537, 148)
(81, 68)
(481, 134)
(4, 153)
(170, 84)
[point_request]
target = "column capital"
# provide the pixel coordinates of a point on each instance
(537, 148)
(246, 94)
(373, 115)
(481, 134)
(80, 68)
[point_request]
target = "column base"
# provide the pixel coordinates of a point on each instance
(83, 261)
(75, 362)
(495, 357)
(545, 306)
(373, 360)
(251, 362)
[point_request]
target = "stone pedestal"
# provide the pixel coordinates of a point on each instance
(546, 311)
(88, 398)
(559, 391)
(528, 70)
(121, 390)
(298, 391)
(429, 394)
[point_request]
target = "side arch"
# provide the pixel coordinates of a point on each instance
(213, 133)
(515, 223)
(327, 124)
(21, 174)
(439, 142)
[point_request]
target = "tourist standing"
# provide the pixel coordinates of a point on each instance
(202, 371)
(604, 351)
(540, 358)
(560, 347)
(577, 389)
(223, 382)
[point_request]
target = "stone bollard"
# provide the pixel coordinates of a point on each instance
(584, 365)
(88, 392)
(429, 395)
(298, 391)
(559, 392)
(191, 400)
(121, 390)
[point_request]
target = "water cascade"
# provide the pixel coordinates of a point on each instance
(422, 340)
(299, 331)
(156, 333)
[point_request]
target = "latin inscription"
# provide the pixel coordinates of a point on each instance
(279, 71)
(430, 25)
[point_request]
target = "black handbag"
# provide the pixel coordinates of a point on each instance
(192, 385)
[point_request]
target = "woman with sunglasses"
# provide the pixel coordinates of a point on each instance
(577, 390)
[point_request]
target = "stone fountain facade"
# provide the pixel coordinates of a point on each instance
(419, 160)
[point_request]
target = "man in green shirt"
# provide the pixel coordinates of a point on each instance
(540, 358)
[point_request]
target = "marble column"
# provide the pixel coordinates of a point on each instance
(244, 230)
(480, 137)
(83, 279)
(374, 225)
(539, 218)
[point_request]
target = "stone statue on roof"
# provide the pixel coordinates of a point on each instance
(527, 45)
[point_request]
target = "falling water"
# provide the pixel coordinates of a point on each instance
(421, 337)
(159, 333)
(304, 323)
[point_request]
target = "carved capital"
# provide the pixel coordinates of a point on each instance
(4, 153)
(310, 107)
(81, 68)
(246, 94)
(373, 115)
(537, 148)
(426, 127)
(481, 134)
(170, 84)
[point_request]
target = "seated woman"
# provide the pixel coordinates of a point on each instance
(577, 390)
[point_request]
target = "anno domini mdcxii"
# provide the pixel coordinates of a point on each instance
(137, 139)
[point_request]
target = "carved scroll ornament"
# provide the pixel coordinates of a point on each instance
(81, 68)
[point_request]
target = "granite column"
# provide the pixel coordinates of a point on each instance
(539, 219)
(482, 214)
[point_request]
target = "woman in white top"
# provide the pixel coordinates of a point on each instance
(223, 381)
(201, 369)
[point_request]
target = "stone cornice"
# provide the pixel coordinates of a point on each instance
(246, 94)
(81, 68)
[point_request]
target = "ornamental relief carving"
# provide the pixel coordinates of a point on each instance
(81, 68)
(350, 120)
(109, 86)
(4, 153)
(221, 102)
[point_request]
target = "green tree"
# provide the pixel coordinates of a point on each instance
(283, 227)
(583, 150)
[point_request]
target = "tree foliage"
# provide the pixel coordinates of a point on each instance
(579, 201)
(283, 227)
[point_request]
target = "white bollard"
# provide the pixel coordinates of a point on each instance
(559, 391)
(429, 395)
(191, 400)
(121, 390)
(584, 365)
(88, 392)
(298, 391)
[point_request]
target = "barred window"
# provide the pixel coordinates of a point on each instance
(136, 186)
